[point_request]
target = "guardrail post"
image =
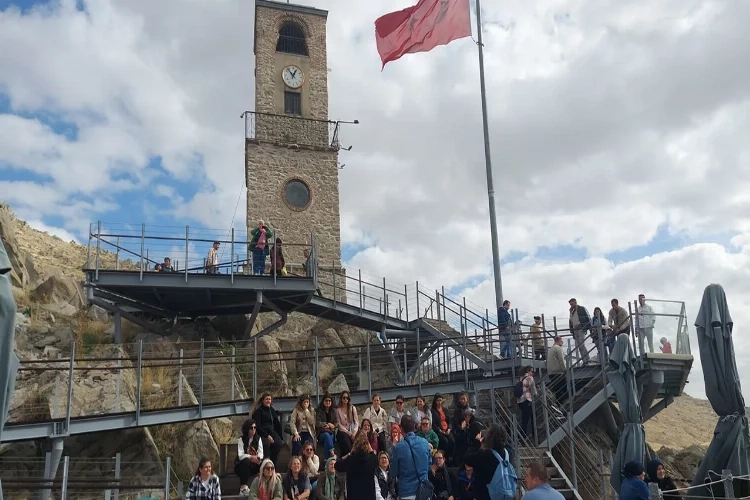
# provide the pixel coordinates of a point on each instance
(231, 381)
(98, 248)
(514, 423)
(179, 380)
(654, 493)
(385, 300)
(545, 412)
(66, 471)
(118, 381)
(231, 259)
(333, 271)
(200, 387)
(118, 463)
(492, 404)
(317, 369)
(406, 364)
(359, 371)
(418, 314)
(143, 243)
(419, 363)
(187, 243)
(726, 478)
(88, 249)
(70, 388)
(255, 368)
(572, 451)
(117, 255)
(168, 468)
(406, 302)
(369, 372)
(180, 489)
(361, 301)
(138, 388)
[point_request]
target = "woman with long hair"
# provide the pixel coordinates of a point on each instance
(365, 427)
(268, 422)
(296, 484)
(330, 485)
(484, 463)
(310, 463)
(277, 259)
(267, 485)
(327, 423)
(442, 426)
(463, 417)
(302, 423)
(393, 438)
(249, 454)
(599, 320)
(348, 422)
(205, 484)
(360, 466)
(378, 418)
(421, 410)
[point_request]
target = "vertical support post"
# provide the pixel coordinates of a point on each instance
(317, 368)
(44, 494)
(369, 372)
(359, 372)
(255, 368)
(168, 468)
(70, 387)
(361, 300)
(138, 388)
(231, 378)
(180, 489)
(179, 380)
(406, 302)
(117, 319)
(605, 490)
(98, 249)
(492, 404)
(66, 472)
(118, 464)
(727, 481)
(200, 375)
(58, 393)
(385, 300)
(406, 364)
(333, 271)
(463, 340)
(143, 243)
(187, 262)
(654, 493)
(117, 255)
(514, 423)
(231, 259)
(417, 287)
(437, 305)
(88, 249)
(545, 410)
(572, 451)
(419, 362)
(442, 300)
(118, 381)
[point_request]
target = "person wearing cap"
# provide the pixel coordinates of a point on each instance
(645, 320)
(579, 323)
(634, 486)
(537, 339)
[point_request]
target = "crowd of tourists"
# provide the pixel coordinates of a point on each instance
(427, 452)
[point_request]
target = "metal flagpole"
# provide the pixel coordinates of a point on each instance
(488, 162)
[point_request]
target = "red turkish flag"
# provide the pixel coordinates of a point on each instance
(421, 28)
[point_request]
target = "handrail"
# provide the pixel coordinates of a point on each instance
(564, 476)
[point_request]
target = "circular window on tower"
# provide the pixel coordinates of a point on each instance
(297, 194)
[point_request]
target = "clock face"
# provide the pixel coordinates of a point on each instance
(293, 77)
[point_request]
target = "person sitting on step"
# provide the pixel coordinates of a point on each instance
(267, 485)
(249, 455)
(326, 423)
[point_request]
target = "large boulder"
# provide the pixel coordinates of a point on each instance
(20, 274)
(59, 289)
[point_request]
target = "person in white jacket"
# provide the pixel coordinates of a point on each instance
(378, 417)
(646, 320)
(249, 455)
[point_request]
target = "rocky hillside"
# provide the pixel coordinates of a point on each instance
(52, 314)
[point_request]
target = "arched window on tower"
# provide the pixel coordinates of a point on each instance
(292, 40)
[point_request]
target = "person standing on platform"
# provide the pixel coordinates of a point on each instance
(579, 323)
(556, 369)
(646, 321)
(212, 261)
(260, 238)
(504, 326)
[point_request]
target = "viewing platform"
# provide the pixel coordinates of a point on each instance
(416, 340)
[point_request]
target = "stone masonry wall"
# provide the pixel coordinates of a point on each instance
(268, 168)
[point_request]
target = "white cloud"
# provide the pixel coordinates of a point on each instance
(608, 121)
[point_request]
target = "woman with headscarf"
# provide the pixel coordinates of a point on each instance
(633, 485)
(267, 485)
(330, 484)
(657, 474)
(360, 467)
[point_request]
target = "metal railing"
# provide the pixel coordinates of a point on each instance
(291, 130)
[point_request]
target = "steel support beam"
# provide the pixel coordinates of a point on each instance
(114, 309)
(661, 405)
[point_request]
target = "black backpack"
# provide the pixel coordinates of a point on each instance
(518, 388)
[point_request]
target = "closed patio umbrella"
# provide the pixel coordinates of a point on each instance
(731, 443)
(632, 444)
(8, 358)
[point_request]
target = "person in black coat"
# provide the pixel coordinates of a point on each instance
(657, 474)
(444, 482)
(484, 462)
(360, 466)
(268, 423)
(463, 417)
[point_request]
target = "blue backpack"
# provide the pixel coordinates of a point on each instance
(504, 481)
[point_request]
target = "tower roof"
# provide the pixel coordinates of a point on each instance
(302, 9)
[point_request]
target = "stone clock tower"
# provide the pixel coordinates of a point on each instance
(291, 146)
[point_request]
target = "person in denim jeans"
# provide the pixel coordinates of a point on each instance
(411, 461)
(504, 326)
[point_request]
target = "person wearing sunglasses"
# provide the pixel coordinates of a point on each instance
(267, 485)
(249, 455)
(348, 423)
